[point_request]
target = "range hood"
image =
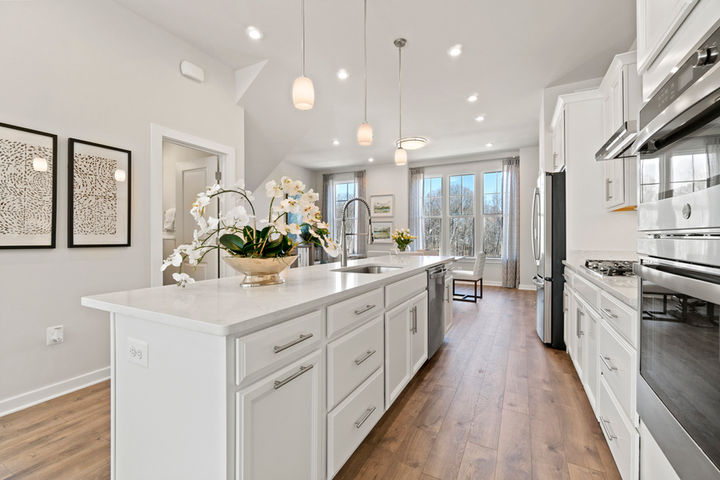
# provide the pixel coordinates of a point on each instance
(619, 144)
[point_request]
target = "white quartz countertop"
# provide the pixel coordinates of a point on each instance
(622, 288)
(223, 307)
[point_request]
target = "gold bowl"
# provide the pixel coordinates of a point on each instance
(261, 271)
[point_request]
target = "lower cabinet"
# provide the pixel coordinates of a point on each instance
(405, 344)
(448, 305)
(352, 420)
(590, 325)
(280, 423)
(621, 436)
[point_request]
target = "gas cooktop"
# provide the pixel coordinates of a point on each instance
(610, 268)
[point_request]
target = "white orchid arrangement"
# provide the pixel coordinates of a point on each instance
(239, 233)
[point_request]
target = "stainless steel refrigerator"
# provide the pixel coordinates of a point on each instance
(548, 245)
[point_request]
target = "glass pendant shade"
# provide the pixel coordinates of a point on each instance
(303, 93)
(400, 157)
(365, 134)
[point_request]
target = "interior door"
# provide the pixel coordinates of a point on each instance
(191, 178)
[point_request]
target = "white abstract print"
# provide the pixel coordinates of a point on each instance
(95, 197)
(26, 195)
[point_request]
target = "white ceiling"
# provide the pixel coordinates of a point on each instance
(512, 49)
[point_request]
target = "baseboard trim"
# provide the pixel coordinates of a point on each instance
(526, 287)
(43, 394)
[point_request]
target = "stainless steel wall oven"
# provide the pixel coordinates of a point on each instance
(679, 211)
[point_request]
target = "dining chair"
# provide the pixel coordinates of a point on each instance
(473, 276)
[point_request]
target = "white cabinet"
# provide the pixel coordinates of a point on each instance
(448, 303)
(280, 423)
(657, 21)
(405, 344)
(621, 436)
(589, 359)
(653, 463)
(558, 139)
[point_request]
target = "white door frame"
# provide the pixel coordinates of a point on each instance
(159, 134)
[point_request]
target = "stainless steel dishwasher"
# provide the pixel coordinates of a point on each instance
(436, 308)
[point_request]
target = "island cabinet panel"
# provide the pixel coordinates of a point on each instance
(262, 351)
(353, 358)
(397, 351)
(418, 332)
(280, 424)
(398, 292)
(349, 313)
(352, 420)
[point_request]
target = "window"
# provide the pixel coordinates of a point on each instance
(432, 213)
(461, 210)
(344, 191)
(492, 214)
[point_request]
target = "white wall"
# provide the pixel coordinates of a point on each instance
(90, 69)
(529, 169)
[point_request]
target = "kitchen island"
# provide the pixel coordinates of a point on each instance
(216, 381)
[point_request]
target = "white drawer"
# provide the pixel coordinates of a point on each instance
(587, 291)
(622, 318)
(272, 346)
(619, 433)
(352, 358)
(398, 292)
(617, 366)
(352, 420)
(347, 313)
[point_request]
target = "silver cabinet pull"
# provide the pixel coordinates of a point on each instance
(364, 417)
(605, 423)
(364, 357)
(364, 309)
(609, 313)
(285, 381)
(608, 362)
(413, 328)
(301, 338)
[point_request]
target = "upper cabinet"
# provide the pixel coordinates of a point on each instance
(620, 90)
(558, 141)
(667, 33)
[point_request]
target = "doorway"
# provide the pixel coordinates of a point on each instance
(187, 171)
(181, 166)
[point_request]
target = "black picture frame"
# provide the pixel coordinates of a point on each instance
(72, 241)
(53, 213)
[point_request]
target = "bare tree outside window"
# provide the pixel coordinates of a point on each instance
(492, 214)
(461, 208)
(344, 191)
(432, 213)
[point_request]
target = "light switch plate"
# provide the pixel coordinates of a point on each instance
(137, 352)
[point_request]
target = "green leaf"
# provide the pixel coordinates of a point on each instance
(232, 242)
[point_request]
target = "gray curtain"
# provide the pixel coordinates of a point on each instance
(327, 205)
(416, 176)
(362, 220)
(511, 222)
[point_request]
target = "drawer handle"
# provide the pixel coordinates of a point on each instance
(608, 362)
(364, 357)
(606, 426)
(292, 343)
(285, 381)
(414, 327)
(364, 417)
(609, 313)
(364, 309)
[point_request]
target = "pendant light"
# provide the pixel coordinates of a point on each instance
(365, 132)
(303, 93)
(400, 153)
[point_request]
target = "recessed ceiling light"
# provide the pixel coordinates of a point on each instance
(335, 142)
(343, 74)
(254, 33)
(473, 98)
(455, 50)
(480, 118)
(489, 144)
(371, 159)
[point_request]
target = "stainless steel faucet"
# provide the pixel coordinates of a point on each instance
(344, 234)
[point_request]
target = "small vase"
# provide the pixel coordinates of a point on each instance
(260, 271)
(400, 249)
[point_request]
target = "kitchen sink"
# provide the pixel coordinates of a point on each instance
(367, 269)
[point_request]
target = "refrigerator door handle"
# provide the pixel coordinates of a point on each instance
(539, 282)
(535, 223)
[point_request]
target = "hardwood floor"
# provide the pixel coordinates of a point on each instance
(493, 403)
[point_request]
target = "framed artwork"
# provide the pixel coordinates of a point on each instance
(28, 185)
(382, 205)
(98, 195)
(382, 232)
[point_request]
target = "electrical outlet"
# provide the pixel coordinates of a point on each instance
(54, 335)
(137, 352)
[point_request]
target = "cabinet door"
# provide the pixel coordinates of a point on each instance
(418, 332)
(657, 21)
(448, 304)
(397, 351)
(590, 357)
(566, 318)
(580, 325)
(570, 326)
(279, 423)
(558, 141)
